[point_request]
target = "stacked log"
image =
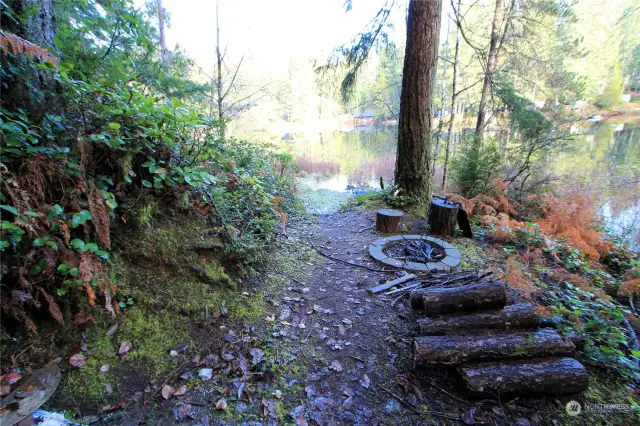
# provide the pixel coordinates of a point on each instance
(455, 350)
(512, 317)
(536, 376)
(497, 349)
(459, 299)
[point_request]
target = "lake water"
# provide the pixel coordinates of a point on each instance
(603, 160)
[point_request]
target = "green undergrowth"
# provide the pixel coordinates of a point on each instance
(168, 286)
(603, 389)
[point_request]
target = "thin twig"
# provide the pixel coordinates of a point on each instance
(433, 385)
(328, 256)
(415, 410)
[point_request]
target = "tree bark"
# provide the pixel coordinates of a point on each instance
(34, 21)
(460, 349)
(454, 97)
(492, 63)
(418, 79)
(219, 76)
(468, 298)
(164, 53)
(536, 376)
(442, 95)
(442, 217)
(512, 317)
(389, 221)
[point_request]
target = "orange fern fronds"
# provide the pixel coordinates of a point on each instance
(515, 278)
(17, 45)
(629, 288)
(100, 216)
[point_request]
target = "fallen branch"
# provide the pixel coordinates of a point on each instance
(382, 287)
(328, 256)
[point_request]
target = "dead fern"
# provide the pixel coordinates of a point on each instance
(100, 216)
(11, 43)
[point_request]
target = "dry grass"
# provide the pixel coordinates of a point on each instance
(311, 166)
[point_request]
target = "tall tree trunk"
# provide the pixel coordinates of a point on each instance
(418, 79)
(219, 74)
(164, 53)
(445, 56)
(454, 96)
(492, 63)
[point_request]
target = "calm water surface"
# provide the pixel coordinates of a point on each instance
(604, 163)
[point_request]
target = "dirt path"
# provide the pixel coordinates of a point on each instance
(327, 351)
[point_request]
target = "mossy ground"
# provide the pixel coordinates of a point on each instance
(154, 269)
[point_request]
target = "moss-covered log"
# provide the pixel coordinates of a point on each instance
(455, 350)
(468, 298)
(512, 317)
(526, 377)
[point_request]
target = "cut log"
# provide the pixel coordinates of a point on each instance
(392, 283)
(512, 317)
(460, 349)
(468, 298)
(526, 377)
(389, 221)
(443, 217)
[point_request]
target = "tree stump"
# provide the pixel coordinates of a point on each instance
(389, 221)
(443, 217)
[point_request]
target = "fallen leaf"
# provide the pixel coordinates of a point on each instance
(104, 368)
(365, 382)
(257, 355)
(271, 318)
(112, 329)
(168, 391)
(124, 348)
(221, 405)
(181, 390)
(205, 373)
(240, 390)
(77, 360)
(10, 378)
(335, 365)
(277, 394)
(467, 416)
(113, 407)
(82, 318)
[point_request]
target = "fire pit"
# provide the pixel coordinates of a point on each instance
(415, 253)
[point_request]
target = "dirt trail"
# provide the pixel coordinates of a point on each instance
(327, 352)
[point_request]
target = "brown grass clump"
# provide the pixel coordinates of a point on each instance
(311, 166)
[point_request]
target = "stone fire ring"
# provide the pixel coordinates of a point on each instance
(449, 261)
